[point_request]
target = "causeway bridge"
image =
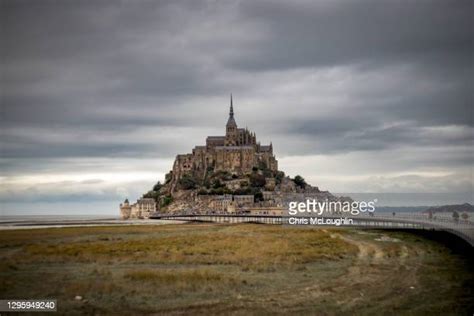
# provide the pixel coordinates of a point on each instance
(461, 228)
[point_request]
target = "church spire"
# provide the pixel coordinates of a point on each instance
(231, 120)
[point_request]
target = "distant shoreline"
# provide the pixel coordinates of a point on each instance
(61, 223)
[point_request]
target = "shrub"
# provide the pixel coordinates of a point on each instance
(217, 184)
(257, 180)
(455, 216)
(279, 176)
(187, 182)
(157, 186)
(152, 195)
(218, 191)
(262, 165)
(300, 182)
(258, 197)
(242, 191)
(202, 192)
(167, 200)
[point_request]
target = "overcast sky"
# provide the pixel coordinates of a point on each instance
(97, 97)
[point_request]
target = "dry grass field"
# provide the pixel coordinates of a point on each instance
(234, 269)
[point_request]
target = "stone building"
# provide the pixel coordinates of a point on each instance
(270, 184)
(238, 152)
(228, 203)
(243, 200)
(221, 203)
(235, 184)
(275, 210)
(142, 209)
(125, 209)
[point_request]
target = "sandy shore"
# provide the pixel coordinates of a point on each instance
(49, 223)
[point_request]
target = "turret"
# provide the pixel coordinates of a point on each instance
(125, 210)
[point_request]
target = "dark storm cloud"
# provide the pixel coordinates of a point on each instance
(63, 58)
(326, 33)
(14, 148)
(434, 37)
(112, 79)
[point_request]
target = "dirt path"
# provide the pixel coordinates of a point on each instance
(373, 274)
(368, 251)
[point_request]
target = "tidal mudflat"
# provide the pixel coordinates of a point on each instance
(234, 269)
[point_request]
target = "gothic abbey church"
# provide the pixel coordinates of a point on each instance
(237, 152)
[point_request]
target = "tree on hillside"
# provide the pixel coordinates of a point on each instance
(300, 182)
(157, 186)
(166, 200)
(279, 176)
(187, 182)
(258, 197)
(152, 195)
(217, 184)
(257, 180)
(456, 216)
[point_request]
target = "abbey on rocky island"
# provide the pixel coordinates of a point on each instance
(237, 152)
(233, 174)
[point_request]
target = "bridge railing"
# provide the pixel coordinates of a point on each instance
(418, 216)
(464, 229)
